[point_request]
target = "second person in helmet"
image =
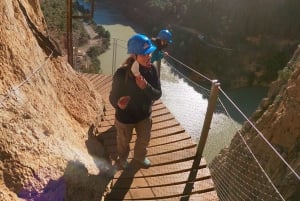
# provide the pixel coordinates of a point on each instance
(163, 39)
(135, 87)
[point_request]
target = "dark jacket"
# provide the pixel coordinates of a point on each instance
(140, 104)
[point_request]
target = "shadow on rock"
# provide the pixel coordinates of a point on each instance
(109, 143)
(75, 185)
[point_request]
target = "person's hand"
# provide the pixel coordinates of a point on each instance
(166, 54)
(123, 102)
(135, 69)
(141, 82)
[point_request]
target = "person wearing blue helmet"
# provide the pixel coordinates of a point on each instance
(135, 87)
(163, 39)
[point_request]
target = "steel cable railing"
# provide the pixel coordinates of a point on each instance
(261, 135)
(13, 90)
(278, 195)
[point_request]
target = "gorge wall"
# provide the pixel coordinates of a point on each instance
(46, 112)
(278, 118)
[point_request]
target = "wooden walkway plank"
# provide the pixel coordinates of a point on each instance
(109, 131)
(166, 169)
(207, 196)
(158, 128)
(109, 139)
(103, 83)
(162, 118)
(160, 192)
(171, 151)
(155, 119)
(160, 112)
(160, 180)
(159, 107)
(162, 125)
(156, 150)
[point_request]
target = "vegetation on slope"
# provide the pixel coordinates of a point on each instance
(56, 17)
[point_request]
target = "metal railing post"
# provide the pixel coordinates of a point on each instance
(69, 32)
(114, 56)
(208, 117)
(204, 133)
(158, 64)
(92, 8)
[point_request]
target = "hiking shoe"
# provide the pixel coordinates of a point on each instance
(123, 163)
(146, 163)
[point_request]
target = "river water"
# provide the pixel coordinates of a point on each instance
(186, 101)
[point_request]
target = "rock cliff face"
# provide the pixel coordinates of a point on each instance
(46, 111)
(278, 118)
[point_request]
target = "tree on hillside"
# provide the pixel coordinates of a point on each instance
(55, 15)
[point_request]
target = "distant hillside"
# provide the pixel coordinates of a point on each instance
(239, 42)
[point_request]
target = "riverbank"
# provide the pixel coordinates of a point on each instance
(120, 30)
(83, 34)
(92, 41)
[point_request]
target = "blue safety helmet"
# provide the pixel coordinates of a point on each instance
(166, 35)
(140, 44)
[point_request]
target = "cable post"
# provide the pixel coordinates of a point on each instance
(207, 121)
(206, 126)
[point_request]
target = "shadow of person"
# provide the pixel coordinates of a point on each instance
(76, 184)
(81, 185)
(99, 154)
(107, 138)
(109, 142)
(54, 190)
(123, 183)
(94, 147)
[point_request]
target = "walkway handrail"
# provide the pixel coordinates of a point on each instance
(256, 129)
(246, 145)
(114, 52)
(196, 72)
(261, 135)
(203, 137)
(253, 155)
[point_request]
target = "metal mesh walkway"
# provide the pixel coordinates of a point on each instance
(171, 152)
